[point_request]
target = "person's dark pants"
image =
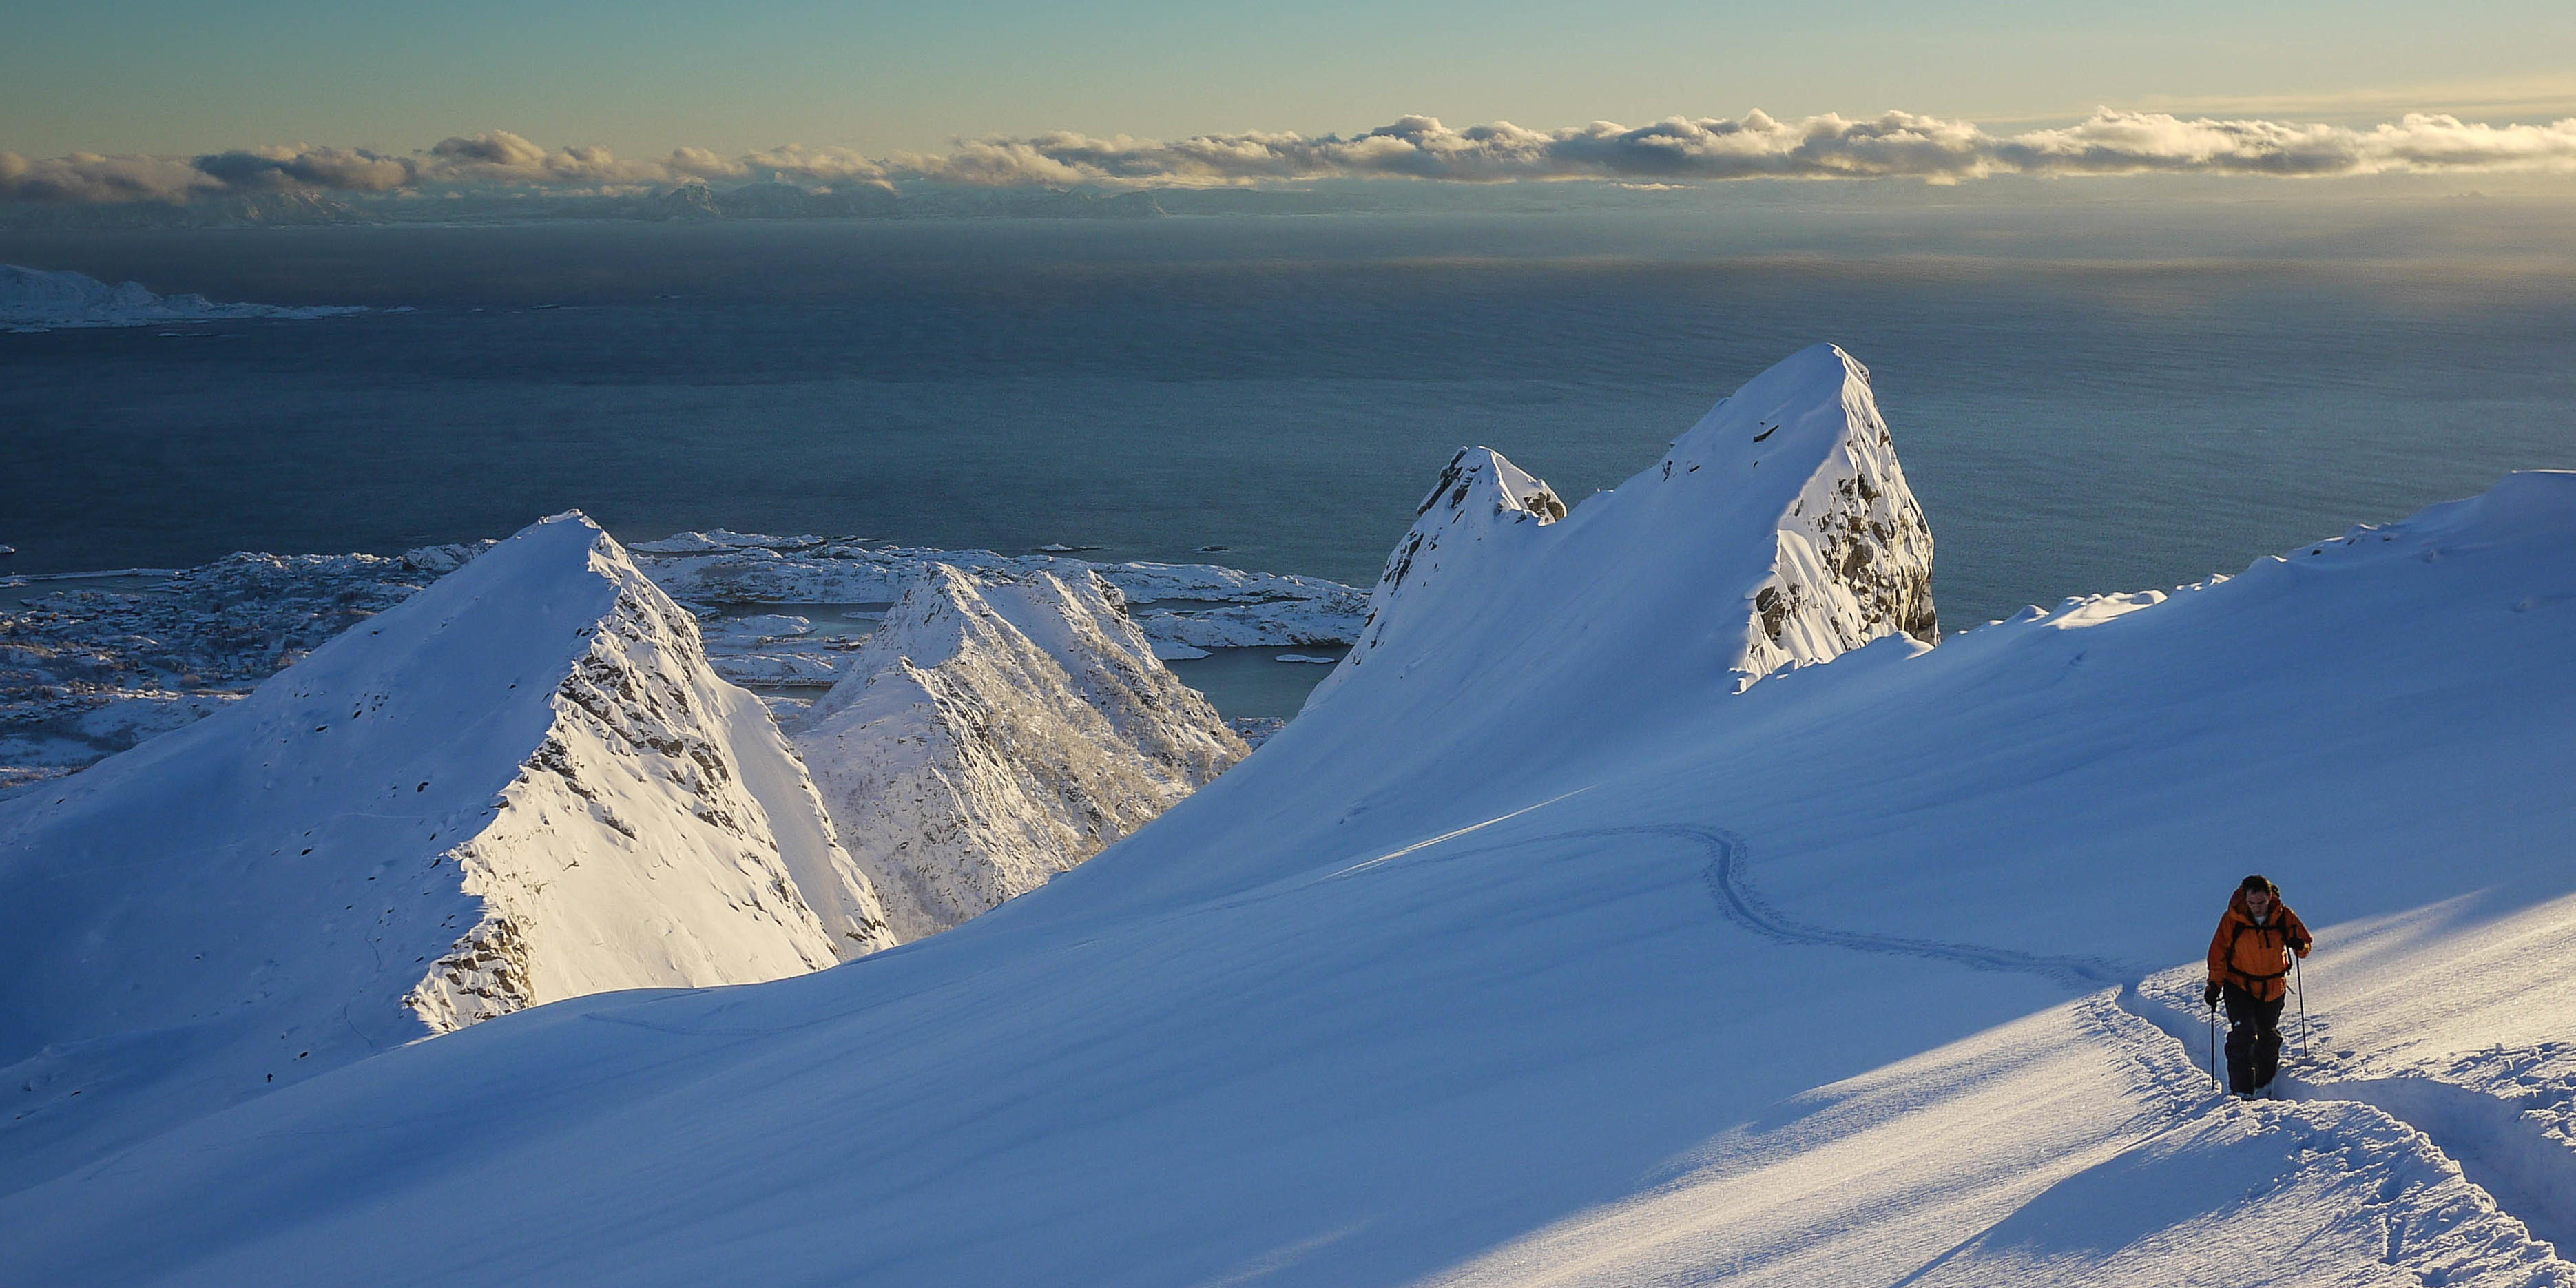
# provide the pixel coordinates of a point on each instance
(2253, 1039)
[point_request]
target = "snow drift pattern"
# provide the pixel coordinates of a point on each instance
(997, 730)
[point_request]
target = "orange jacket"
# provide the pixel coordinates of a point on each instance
(2256, 958)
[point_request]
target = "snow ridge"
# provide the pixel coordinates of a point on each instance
(86, 673)
(1481, 497)
(997, 730)
(648, 752)
(518, 785)
(1742, 571)
(1464, 978)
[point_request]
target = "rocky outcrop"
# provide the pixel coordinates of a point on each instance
(999, 729)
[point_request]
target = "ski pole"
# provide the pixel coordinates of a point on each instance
(2296, 969)
(2213, 1043)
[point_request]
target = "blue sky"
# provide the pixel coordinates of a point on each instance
(158, 76)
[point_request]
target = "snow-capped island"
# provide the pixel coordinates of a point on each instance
(35, 299)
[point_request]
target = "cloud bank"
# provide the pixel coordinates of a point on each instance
(1672, 151)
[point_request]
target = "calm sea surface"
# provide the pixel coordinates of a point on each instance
(2086, 399)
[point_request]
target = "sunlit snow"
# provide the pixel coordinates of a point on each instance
(1596, 923)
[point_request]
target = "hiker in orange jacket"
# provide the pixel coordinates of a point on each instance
(2249, 967)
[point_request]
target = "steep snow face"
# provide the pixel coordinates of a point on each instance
(86, 673)
(997, 730)
(1854, 555)
(652, 763)
(1778, 531)
(519, 785)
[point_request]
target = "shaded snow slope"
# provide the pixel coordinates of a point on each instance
(1602, 973)
(520, 785)
(997, 730)
(34, 299)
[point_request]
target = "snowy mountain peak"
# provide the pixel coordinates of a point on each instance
(997, 730)
(648, 751)
(1481, 497)
(521, 784)
(944, 614)
(1535, 955)
(1853, 557)
(1479, 476)
(1777, 531)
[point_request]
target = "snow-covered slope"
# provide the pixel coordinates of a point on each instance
(520, 785)
(997, 730)
(1738, 571)
(34, 299)
(1595, 967)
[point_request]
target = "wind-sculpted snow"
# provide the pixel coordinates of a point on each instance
(997, 731)
(1544, 950)
(34, 299)
(520, 785)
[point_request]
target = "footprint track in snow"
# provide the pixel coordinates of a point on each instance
(2497, 1145)
(2128, 1008)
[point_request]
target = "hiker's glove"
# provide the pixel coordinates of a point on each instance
(2209, 995)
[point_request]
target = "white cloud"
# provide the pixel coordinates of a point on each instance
(796, 164)
(500, 158)
(1896, 144)
(89, 177)
(338, 169)
(1676, 150)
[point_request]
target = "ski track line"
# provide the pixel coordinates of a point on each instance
(1726, 881)
(2496, 1147)
(2505, 1155)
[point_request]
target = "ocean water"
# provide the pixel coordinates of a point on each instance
(2087, 396)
